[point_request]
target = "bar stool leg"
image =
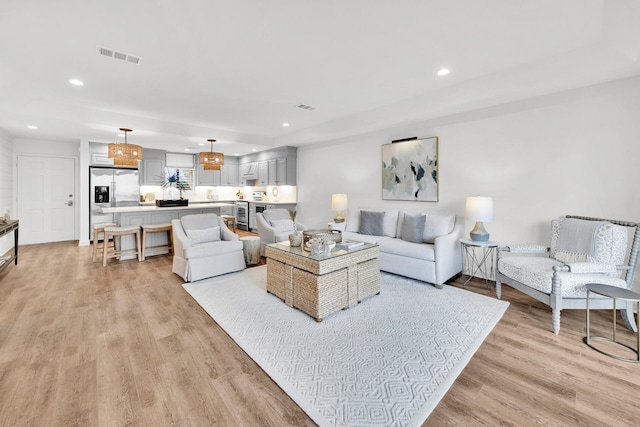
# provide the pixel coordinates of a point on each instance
(139, 246)
(144, 242)
(106, 249)
(95, 245)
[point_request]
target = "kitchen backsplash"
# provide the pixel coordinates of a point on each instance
(282, 193)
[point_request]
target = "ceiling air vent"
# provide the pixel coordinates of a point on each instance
(119, 55)
(306, 107)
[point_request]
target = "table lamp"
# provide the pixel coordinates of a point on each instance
(479, 209)
(338, 204)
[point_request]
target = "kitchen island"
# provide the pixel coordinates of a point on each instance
(139, 215)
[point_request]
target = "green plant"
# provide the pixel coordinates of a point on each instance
(172, 177)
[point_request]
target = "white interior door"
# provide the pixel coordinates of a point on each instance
(46, 199)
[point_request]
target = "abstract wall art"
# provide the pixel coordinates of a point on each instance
(410, 170)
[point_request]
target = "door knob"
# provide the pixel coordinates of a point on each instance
(70, 203)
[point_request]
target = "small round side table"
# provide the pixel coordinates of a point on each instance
(614, 293)
(484, 263)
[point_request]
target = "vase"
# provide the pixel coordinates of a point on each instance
(295, 239)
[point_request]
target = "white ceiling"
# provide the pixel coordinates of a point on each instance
(236, 70)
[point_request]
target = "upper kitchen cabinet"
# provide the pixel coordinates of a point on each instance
(278, 171)
(229, 174)
(270, 167)
(263, 173)
(151, 168)
(226, 176)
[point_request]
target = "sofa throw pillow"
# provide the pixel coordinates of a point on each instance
(413, 228)
(282, 226)
(203, 235)
(371, 223)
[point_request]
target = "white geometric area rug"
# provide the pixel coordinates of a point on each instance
(387, 361)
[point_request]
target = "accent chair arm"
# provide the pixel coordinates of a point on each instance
(226, 234)
(265, 231)
(180, 239)
(525, 249)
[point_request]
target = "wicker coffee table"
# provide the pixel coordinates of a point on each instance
(322, 284)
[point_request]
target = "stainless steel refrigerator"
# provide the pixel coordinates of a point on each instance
(111, 187)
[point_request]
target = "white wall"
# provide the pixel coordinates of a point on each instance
(575, 152)
(6, 186)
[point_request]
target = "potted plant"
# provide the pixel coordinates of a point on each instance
(172, 179)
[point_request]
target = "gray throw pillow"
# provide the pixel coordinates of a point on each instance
(371, 223)
(413, 228)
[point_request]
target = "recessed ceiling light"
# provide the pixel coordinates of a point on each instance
(76, 82)
(253, 149)
(32, 126)
(236, 154)
(285, 125)
(201, 144)
(443, 72)
(187, 149)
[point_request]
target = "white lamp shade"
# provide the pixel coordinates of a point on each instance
(339, 202)
(479, 209)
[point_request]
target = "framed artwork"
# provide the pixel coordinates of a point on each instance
(410, 170)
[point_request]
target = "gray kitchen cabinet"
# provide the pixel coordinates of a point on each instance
(151, 168)
(278, 171)
(229, 175)
(208, 177)
(263, 173)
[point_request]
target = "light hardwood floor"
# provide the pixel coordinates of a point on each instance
(126, 345)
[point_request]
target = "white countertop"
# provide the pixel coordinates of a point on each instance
(172, 208)
(270, 203)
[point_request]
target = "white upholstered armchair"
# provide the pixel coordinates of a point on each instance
(204, 247)
(275, 225)
(583, 250)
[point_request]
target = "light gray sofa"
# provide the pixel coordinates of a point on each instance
(434, 256)
(204, 247)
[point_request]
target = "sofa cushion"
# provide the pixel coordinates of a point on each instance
(199, 221)
(371, 223)
(438, 225)
(413, 228)
(281, 226)
(203, 235)
(212, 248)
(401, 247)
(348, 235)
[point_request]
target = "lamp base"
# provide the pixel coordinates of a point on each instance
(479, 234)
(339, 218)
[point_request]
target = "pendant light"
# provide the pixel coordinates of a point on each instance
(210, 160)
(125, 155)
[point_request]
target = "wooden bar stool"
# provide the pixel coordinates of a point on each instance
(156, 228)
(97, 229)
(116, 232)
(229, 219)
